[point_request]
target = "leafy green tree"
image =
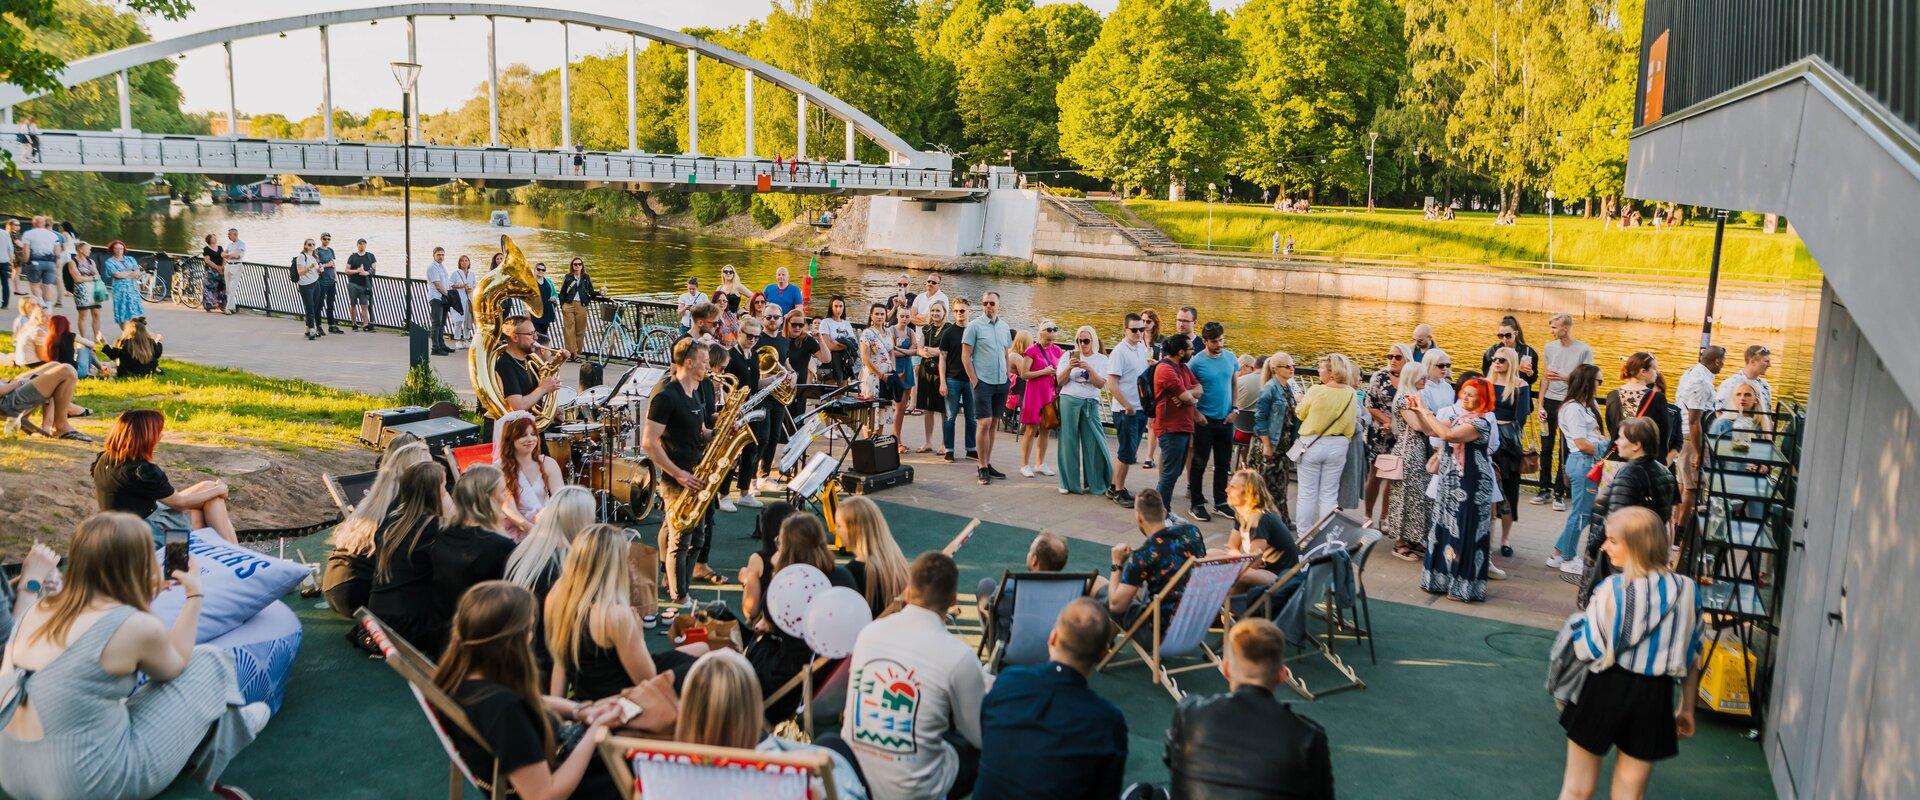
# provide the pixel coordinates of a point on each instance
(34, 35)
(1007, 84)
(1591, 156)
(1316, 75)
(1152, 102)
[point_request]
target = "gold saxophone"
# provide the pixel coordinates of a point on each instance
(731, 433)
(513, 280)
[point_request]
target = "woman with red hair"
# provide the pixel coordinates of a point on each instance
(126, 479)
(1459, 544)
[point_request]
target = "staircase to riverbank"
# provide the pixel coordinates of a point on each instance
(1084, 213)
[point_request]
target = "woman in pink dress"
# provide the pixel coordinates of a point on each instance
(1039, 389)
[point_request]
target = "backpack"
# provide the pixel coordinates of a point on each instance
(1148, 402)
(293, 269)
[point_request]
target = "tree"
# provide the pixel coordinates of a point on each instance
(1006, 97)
(1316, 75)
(30, 30)
(1152, 102)
(1591, 158)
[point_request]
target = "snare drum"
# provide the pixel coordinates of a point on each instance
(567, 442)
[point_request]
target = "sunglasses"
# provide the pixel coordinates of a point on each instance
(1137, 329)
(1506, 336)
(1396, 357)
(1051, 330)
(1084, 341)
(1442, 365)
(1500, 361)
(989, 303)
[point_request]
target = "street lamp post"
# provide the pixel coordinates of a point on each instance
(1549, 229)
(407, 73)
(1371, 136)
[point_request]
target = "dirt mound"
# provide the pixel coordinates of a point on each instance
(46, 487)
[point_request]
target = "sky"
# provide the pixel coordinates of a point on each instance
(282, 75)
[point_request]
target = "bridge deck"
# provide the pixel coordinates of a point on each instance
(136, 152)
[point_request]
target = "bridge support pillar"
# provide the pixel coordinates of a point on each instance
(126, 103)
(493, 87)
(849, 140)
(693, 102)
(633, 124)
(566, 95)
(749, 131)
(326, 86)
(233, 106)
(800, 118)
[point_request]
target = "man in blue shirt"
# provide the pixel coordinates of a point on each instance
(1043, 732)
(782, 292)
(983, 353)
(1215, 366)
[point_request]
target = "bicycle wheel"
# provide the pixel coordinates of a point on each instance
(151, 289)
(186, 292)
(656, 348)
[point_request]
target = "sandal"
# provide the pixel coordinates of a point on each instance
(924, 450)
(83, 411)
(77, 437)
(713, 578)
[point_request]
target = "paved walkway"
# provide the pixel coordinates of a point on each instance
(376, 363)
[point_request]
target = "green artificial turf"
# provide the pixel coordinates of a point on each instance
(1453, 709)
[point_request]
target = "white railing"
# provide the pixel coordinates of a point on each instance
(148, 152)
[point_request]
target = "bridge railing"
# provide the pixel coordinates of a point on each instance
(122, 152)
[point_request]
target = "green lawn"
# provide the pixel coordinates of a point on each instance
(1472, 239)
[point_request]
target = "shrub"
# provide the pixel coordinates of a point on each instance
(737, 202)
(672, 202)
(1063, 191)
(708, 207)
(763, 214)
(423, 387)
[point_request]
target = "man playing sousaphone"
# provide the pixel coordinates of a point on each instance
(679, 421)
(520, 385)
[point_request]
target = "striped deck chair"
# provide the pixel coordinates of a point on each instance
(1037, 598)
(417, 670)
(1183, 631)
(649, 769)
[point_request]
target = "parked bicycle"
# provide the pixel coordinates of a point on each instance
(166, 277)
(633, 333)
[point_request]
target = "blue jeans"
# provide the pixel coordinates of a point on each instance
(959, 396)
(1581, 492)
(1173, 461)
(1128, 427)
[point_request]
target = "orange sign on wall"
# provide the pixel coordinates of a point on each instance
(1656, 80)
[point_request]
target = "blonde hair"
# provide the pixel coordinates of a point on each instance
(1513, 381)
(865, 532)
(1088, 330)
(1341, 369)
(1021, 341)
(720, 703)
(565, 515)
(1268, 370)
(473, 504)
(111, 558)
(593, 579)
(1645, 538)
(1251, 500)
(1411, 375)
(355, 533)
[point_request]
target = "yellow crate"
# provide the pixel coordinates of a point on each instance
(1723, 683)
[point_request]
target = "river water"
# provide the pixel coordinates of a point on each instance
(629, 258)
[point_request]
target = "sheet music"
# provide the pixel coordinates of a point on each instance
(818, 471)
(797, 444)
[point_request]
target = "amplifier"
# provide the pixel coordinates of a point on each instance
(436, 433)
(377, 420)
(876, 454)
(857, 482)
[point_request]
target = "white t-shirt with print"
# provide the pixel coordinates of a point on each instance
(1696, 394)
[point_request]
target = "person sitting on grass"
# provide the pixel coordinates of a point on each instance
(599, 647)
(64, 346)
(488, 670)
(470, 547)
(1209, 751)
(48, 387)
(126, 479)
(1152, 565)
(721, 708)
(1043, 731)
(348, 576)
(1047, 553)
(136, 351)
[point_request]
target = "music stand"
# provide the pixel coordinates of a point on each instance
(809, 480)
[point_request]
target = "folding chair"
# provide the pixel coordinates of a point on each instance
(1037, 598)
(417, 670)
(649, 769)
(1359, 626)
(348, 490)
(1179, 634)
(1338, 623)
(813, 685)
(465, 456)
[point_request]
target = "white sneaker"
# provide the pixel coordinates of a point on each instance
(726, 504)
(1496, 573)
(749, 501)
(769, 485)
(1026, 471)
(255, 715)
(1047, 471)
(1574, 566)
(1553, 561)
(1559, 504)
(1539, 499)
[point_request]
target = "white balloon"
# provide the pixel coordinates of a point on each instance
(835, 621)
(789, 594)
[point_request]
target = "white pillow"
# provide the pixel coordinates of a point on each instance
(238, 582)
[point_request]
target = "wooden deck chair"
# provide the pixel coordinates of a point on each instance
(348, 490)
(1184, 630)
(1037, 598)
(417, 670)
(649, 769)
(1339, 624)
(823, 671)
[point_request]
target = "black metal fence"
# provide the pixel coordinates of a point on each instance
(1716, 45)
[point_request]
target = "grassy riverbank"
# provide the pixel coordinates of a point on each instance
(1582, 245)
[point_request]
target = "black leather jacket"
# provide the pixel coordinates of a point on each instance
(1642, 482)
(1245, 745)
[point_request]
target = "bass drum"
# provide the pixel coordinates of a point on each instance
(631, 483)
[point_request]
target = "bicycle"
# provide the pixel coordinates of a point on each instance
(182, 286)
(654, 346)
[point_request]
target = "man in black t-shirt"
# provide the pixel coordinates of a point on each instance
(800, 348)
(674, 436)
(518, 385)
(359, 274)
(955, 387)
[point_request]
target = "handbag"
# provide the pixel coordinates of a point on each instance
(1567, 674)
(1299, 448)
(1529, 461)
(1050, 415)
(1389, 467)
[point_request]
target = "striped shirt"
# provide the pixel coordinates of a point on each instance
(1654, 620)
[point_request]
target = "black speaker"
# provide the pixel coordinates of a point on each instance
(437, 433)
(876, 454)
(374, 424)
(419, 345)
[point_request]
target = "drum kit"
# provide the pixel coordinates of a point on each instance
(596, 439)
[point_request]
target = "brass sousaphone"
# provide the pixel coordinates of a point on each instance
(513, 280)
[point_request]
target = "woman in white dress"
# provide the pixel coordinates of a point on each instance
(531, 475)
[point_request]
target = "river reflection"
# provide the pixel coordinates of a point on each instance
(629, 258)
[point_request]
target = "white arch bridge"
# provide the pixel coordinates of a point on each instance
(127, 153)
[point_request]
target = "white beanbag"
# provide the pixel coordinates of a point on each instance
(263, 652)
(238, 583)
